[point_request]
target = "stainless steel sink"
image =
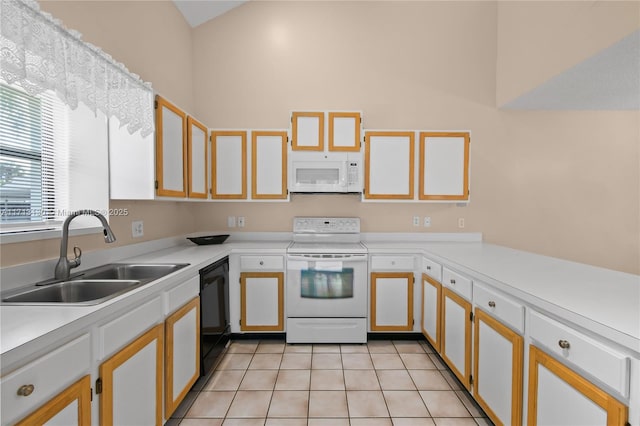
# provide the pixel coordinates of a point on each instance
(77, 292)
(132, 271)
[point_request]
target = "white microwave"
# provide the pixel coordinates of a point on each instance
(325, 172)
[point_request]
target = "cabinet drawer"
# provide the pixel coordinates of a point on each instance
(502, 307)
(392, 263)
(117, 333)
(181, 294)
(602, 362)
(49, 375)
(457, 283)
(431, 268)
(261, 262)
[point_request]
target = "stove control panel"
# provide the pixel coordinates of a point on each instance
(326, 225)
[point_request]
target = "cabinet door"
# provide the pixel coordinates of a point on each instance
(391, 301)
(307, 131)
(344, 131)
(559, 396)
(70, 407)
(197, 149)
(229, 164)
(389, 160)
(132, 382)
(268, 165)
(262, 301)
(456, 335)
(182, 354)
(497, 367)
(171, 149)
(444, 166)
(431, 310)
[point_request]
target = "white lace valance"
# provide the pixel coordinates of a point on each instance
(38, 53)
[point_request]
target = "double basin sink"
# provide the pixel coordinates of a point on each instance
(93, 286)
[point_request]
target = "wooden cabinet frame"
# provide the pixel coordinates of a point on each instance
(79, 391)
(244, 326)
(517, 343)
(465, 184)
(160, 189)
(617, 413)
(254, 165)
(367, 164)
(372, 311)
(357, 120)
(170, 404)
(427, 280)
(243, 136)
(463, 376)
(294, 131)
(192, 122)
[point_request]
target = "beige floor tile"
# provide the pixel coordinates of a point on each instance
(259, 380)
(293, 380)
(361, 380)
(366, 404)
(437, 361)
(328, 404)
(429, 380)
(328, 422)
(417, 361)
(356, 361)
(242, 422)
(416, 421)
(298, 349)
(243, 347)
(295, 361)
(211, 404)
(427, 347)
(354, 349)
(395, 380)
(274, 421)
(326, 348)
(289, 404)
(250, 404)
(381, 347)
(452, 380)
(223, 380)
(408, 347)
(201, 422)
(470, 404)
(444, 404)
(461, 421)
(387, 361)
(270, 347)
(380, 421)
(405, 404)
(322, 361)
(265, 362)
(235, 362)
(327, 380)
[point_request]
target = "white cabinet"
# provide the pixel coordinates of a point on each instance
(229, 164)
(262, 301)
(268, 165)
(389, 165)
(171, 149)
(431, 312)
(456, 335)
(307, 131)
(444, 166)
(391, 301)
(197, 155)
(344, 131)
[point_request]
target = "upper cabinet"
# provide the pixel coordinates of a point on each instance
(307, 131)
(268, 165)
(344, 131)
(197, 145)
(389, 162)
(229, 164)
(444, 166)
(171, 149)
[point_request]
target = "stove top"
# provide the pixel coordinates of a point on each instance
(331, 235)
(326, 247)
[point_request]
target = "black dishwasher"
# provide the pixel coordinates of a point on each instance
(215, 327)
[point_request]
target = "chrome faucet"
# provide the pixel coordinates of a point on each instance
(65, 265)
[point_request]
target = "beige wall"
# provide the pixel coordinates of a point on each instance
(540, 39)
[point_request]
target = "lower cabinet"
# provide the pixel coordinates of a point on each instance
(391, 301)
(497, 366)
(560, 396)
(131, 382)
(70, 407)
(430, 314)
(262, 301)
(456, 335)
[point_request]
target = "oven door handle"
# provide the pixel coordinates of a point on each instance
(337, 257)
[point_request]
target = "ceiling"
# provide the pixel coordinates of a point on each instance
(198, 12)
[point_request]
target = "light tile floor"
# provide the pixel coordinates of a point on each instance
(383, 382)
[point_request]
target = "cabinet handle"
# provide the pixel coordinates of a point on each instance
(452, 282)
(393, 262)
(428, 268)
(492, 304)
(261, 262)
(26, 390)
(564, 344)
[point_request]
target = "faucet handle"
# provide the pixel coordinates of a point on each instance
(77, 251)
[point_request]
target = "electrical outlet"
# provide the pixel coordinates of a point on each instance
(461, 222)
(427, 222)
(231, 221)
(137, 229)
(240, 221)
(416, 221)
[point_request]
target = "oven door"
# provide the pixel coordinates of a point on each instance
(323, 285)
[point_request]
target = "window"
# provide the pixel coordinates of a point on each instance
(52, 161)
